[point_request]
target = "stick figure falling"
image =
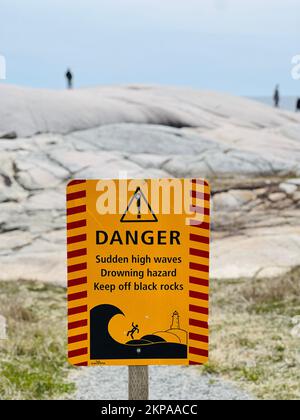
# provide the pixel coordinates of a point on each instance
(135, 328)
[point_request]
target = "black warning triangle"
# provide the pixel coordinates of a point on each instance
(137, 216)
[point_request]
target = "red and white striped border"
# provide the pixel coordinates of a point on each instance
(199, 273)
(77, 273)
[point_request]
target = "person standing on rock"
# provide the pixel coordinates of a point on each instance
(276, 97)
(69, 78)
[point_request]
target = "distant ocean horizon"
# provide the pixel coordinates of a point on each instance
(286, 102)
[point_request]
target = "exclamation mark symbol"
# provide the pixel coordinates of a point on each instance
(137, 196)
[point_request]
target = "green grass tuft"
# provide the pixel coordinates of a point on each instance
(33, 359)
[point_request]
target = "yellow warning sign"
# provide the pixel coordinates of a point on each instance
(138, 271)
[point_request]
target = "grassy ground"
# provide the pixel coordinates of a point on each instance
(251, 340)
(33, 358)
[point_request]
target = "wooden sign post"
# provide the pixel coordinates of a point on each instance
(138, 274)
(138, 383)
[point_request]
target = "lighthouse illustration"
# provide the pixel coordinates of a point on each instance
(175, 325)
(174, 334)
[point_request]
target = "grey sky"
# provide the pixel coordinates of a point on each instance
(240, 46)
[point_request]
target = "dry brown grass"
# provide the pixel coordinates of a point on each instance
(251, 340)
(280, 289)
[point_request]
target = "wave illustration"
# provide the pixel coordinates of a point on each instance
(104, 346)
